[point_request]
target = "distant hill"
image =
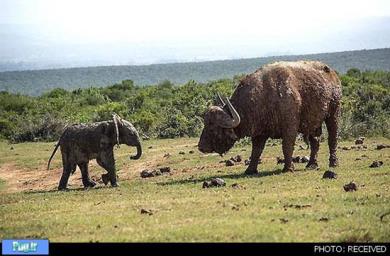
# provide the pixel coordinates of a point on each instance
(38, 81)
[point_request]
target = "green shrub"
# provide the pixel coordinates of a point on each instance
(105, 111)
(168, 111)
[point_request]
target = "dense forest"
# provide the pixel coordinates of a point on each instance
(166, 110)
(39, 81)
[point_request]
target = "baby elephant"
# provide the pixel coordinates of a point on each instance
(83, 142)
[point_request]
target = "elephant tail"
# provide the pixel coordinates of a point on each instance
(55, 149)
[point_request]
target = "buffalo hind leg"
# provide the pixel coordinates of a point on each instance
(288, 150)
(258, 144)
(314, 147)
(87, 182)
(332, 127)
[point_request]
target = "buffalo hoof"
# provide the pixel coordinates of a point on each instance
(251, 171)
(63, 189)
(312, 166)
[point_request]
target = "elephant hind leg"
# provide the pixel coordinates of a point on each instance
(67, 168)
(87, 182)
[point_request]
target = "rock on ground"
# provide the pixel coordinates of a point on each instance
(165, 169)
(329, 175)
(359, 141)
(236, 158)
(215, 182)
(376, 164)
(146, 211)
(150, 173)
(279, 160)
(305, 159)
(237, 186)
(382, 146)
(229, 162)
(350, 187)
(296, 159)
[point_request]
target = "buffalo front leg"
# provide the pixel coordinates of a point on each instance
(87, 182)
(314, 147)
(258, 144)
(107, 161)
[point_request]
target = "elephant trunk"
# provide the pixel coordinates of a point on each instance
(139, 152)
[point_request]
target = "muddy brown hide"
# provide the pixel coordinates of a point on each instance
(280, 100)
(81, 143)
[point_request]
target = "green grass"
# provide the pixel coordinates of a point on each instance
(263, 210)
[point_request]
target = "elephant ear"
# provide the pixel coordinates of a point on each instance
(117, 120)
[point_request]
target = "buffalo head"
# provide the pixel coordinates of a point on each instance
(218, 133)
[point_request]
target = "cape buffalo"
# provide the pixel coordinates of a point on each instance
(278, 100)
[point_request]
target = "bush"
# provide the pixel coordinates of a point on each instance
(47, 128)
(104, 112)
(56, 93)
(174, 125)
(168, 111)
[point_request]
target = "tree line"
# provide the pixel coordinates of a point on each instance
(36, 82)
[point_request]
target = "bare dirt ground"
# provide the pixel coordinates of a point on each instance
(19, 179)
(23, 179)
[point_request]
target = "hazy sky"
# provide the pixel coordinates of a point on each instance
(197, 28)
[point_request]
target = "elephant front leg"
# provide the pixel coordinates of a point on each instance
(87, 182)
(258, 144)
(107, 161)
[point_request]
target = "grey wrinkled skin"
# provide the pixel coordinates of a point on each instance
(80, 143)
(279, 101)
